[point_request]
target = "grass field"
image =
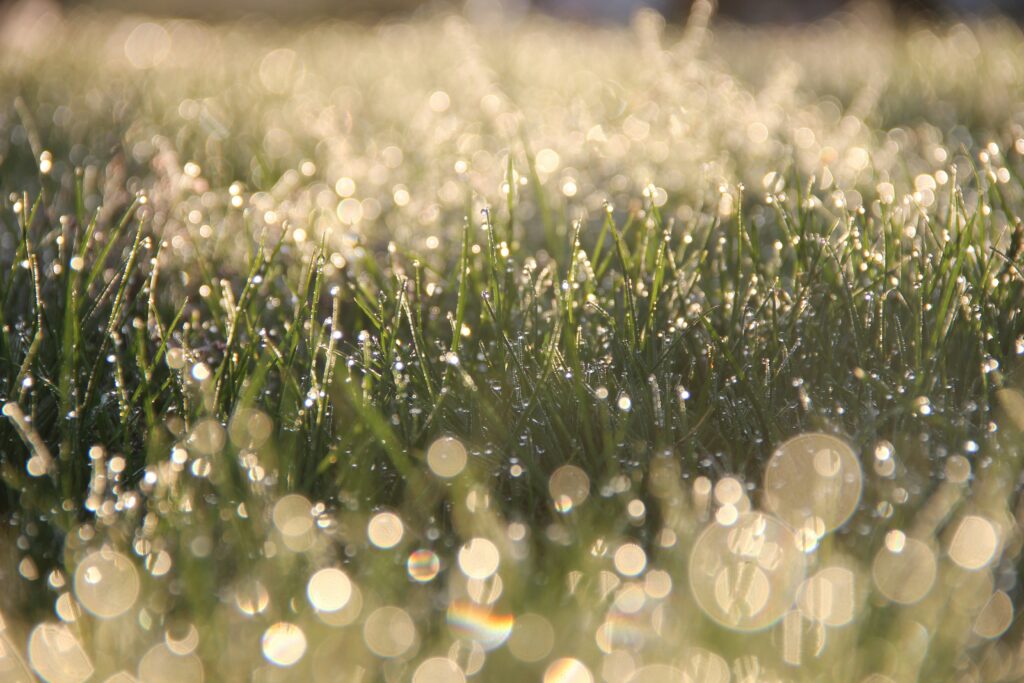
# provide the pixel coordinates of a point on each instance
(438, 352)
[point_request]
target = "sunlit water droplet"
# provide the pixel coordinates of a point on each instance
(389, 632)
(106, 583)
(905, 575)
(569, 487)
(283, 644)
(479, 558)
(630, 559)
(813, 475)
(293, 515)
(447, 457)
(385, 530)
(57, 656)
(423, 565)
(438, 670)
(745, 576)
(329, 590)
(479, 624)
(975, 543)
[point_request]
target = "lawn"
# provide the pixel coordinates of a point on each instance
(436, 351)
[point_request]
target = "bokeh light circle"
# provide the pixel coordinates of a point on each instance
(479, 558)
(447, 457)
(57, 656)
(630, 559)
(438, 670)
(479, 624)
(106, 583)
(283, 644)
(704, 666)
(975, 543)
(293, 515)
(423, 565)
(568, 670)
(385, 530)
(904, 571)
(829, 597)
(813, 476)
(745, 576)
(329, 590)
(995, 617)
(569, 487)
(389, 632)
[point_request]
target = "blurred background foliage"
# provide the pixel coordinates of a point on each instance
(602, 11)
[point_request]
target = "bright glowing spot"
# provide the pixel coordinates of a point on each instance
(423, 565)
(904, 576)
(727, 515)
(702, 666)
(829, 597)
(347, 614)
(569, 486)
(485, 592)
(57, 656)
(385, 530)
(745, 576)
(389, 632)
(345, 187)
(883, 451)
(975, 543)
(293, 515)
(207, 437)
(438, 670)
(252, 598)
(657, 584)
(186, 644)
(67, 609)
(813, 475)
(329, 590)
(622, 631)
(479, 558)
(479, 624)
(701, 486)
(439, 101)
(568, 670)
(886, 193)
(446, 457)
(147, 45)
(895, 540)
(201, 372)
(283, 644)
(106, 583)
(469, 654)
(728, 491)
(630, 559)
(995, 617)
(547, 161)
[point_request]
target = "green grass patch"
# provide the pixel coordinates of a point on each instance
(499, 332)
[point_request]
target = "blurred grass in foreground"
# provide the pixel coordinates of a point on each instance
(431, 352)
